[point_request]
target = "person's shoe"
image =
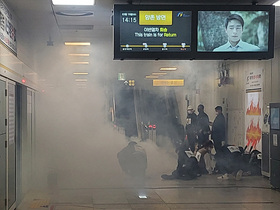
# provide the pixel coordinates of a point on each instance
(223, 177)
(238, 175)
(167, 177)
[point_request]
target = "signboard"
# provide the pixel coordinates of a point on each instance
(121, 76)
(169, 82)
(155, 31)
(7, 28)
(253, 109)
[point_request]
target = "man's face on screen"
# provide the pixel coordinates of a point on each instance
(234, 31)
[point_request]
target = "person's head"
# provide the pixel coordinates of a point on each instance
(209, 145)
(190, 110)
(200, 108)
(131, 144)
(234, 28)
(218, 110)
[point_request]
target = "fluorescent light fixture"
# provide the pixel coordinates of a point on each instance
(80, 54)
(151, 77)
(77, 43)
(73, 2)
(277, 3)
(159, 73)
(168, 68)
(81, 80)
(142, 196)
(80, 62)
(80, 73)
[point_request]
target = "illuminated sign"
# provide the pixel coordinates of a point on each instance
(155, 17)
(169, 82)
(155, 31)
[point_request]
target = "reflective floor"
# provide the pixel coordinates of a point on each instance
(205, 192)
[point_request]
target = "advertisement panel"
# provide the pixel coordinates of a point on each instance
(7, 28)
(253, 109)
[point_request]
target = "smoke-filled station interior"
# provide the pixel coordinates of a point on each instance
(96, 99)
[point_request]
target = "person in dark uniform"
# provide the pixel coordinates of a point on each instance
(133, 160)
(231, 162)
(218, 129)
(189, 162)
(218, 134)
(202, 125)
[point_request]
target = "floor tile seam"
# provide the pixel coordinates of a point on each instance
(167, 203)
(178, 187)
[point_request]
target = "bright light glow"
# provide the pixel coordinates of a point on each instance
(77, 43)
(277, 3)
(73, 2)
(159, 73)
(168, 68)
(80, 55)
(80, 62)
(151, 77)
(142, 196)
(80, 73)
(81, 80)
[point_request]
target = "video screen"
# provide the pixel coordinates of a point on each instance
(155, 31)
(274, 118)
(233, 31)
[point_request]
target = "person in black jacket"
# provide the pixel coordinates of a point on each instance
(188, 166)
(191, 128)
(202, 125)
(133, 160)
(218, 129)
(218, 134)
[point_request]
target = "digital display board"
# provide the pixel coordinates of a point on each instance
(155, 31)
(189, 32)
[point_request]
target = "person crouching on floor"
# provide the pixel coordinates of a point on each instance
(188, 163)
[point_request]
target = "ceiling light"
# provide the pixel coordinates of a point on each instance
(151, 77)
(81, 80)
(74, 14)
(80, 73)
(73, 2)
(168, 68)
(80, 62)
(77, 43)
(79, 54)
(142, 196)
(277, 3)
(159, 73)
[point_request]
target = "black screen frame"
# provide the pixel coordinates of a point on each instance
(193, 54)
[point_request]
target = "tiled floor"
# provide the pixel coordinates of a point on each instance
(206, 192)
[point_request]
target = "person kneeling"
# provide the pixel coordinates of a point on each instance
(188, 163)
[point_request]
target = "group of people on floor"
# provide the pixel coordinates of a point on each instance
(198, 155)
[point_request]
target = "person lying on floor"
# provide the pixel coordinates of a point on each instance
(230, 162)
(188, 162)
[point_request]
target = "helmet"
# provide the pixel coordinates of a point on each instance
(189, 108)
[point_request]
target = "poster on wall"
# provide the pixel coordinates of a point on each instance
(7, 28)
(253, 109)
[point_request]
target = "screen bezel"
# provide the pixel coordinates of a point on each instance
(193, 54)
(260, 55)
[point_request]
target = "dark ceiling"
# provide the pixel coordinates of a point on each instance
(200, 2)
